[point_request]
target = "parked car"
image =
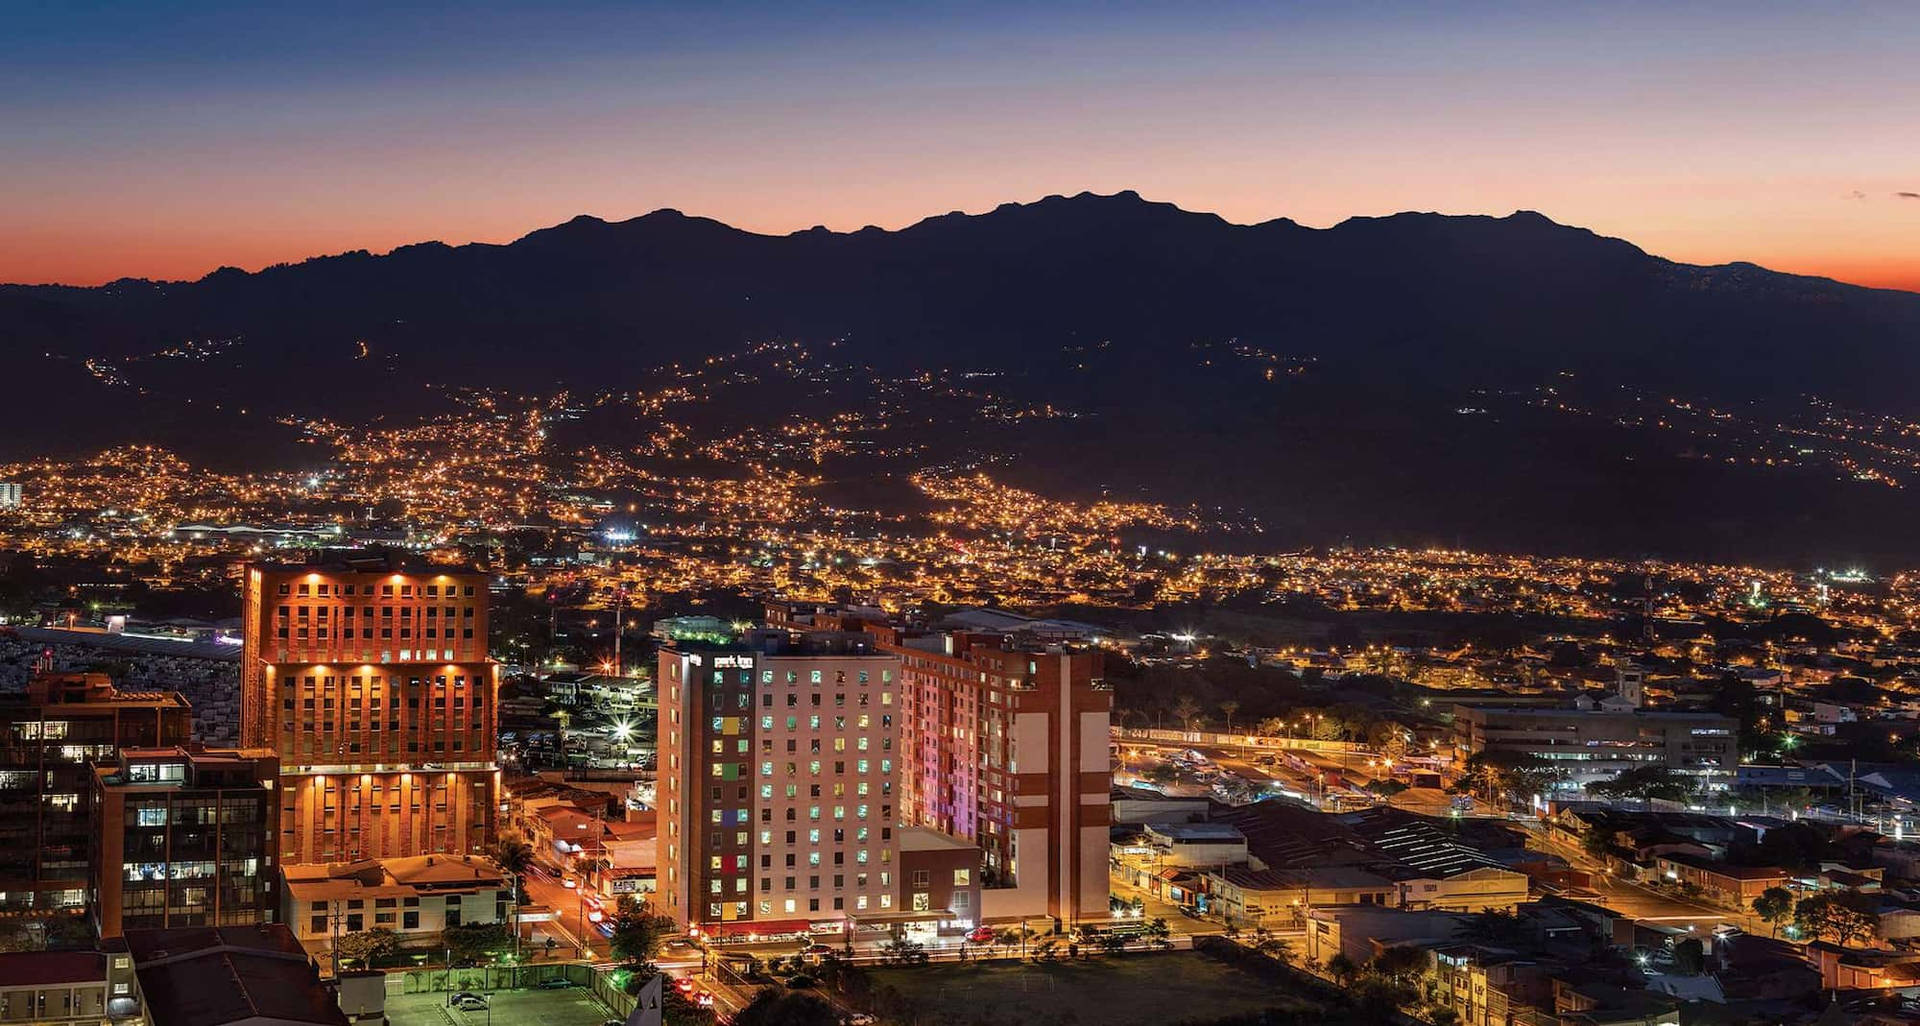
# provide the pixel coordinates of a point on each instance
(461, 995)
(981, 935)
(557, 983)
(472, 1003)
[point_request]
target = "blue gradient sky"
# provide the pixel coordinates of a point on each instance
(163, 140)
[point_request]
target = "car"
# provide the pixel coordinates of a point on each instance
(461, 995)
(569, 883)
(557, 983)
(683, 984)
(1727, 930)
(859, 1019)
(472, 1003)
(679, 944)
(981, 935)
(817, 949)
(703, 999)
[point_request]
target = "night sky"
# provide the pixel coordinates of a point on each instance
(163, 140)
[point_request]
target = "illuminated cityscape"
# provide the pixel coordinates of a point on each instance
(827, 515)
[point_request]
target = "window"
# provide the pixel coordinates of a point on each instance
(962, 877)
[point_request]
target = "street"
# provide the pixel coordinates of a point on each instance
(573, 909)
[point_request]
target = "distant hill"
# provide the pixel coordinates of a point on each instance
(1121, 307)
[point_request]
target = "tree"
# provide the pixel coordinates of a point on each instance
(1159, 934)
(901, 951)
(367, 945)
(1497, 772)
(1186, 710)
(776, 1008)
(514, 855)
(1645, 783)
(16, 935)
(1113, 943)
(1775, 906)
(1047, 949)
(1690, 956)
(638, 931)
(1829, 915)
(1342, 969)
(1006, 940)
(1401, 963)
(1227, 709)
(471, 943)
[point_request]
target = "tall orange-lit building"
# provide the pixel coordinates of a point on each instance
(368, 676)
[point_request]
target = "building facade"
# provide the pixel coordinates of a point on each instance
(68, 988)
(48, 738)
(778, 764)
(415, 897)
(1595, 744)
(369, 678)
(1006, 748)
(183, 838)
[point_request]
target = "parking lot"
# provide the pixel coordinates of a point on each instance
(570, 1007)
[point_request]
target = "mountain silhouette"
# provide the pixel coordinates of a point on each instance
(1097, 301)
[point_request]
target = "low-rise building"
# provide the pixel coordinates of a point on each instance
(1280, 899)
(230, 976)
(1591, 744)
(1732, 885)
(415, 897)
(67, 988)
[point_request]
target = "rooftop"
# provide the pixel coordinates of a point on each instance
(21, 968)
(209, 976)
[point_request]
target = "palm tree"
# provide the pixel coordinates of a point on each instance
(1186, 710)
(515, 855)
(1227, 709)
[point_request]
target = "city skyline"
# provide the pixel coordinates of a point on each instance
(192, 138)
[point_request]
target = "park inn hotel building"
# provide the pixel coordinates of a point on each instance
(806, 771)
(368, 677)
(779, 761)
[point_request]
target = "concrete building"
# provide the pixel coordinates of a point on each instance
(230, 976)
(68, 988)
(9, 495)
(415, 897)
(779, 759)
(183, 837)
(369, 676)
(48, 737)
(1007, 735)
(1595, 744)
(939, 883)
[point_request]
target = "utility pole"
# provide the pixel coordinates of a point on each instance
(619, 625)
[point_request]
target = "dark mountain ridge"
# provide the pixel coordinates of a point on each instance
(1419, 294)
(1117, 307)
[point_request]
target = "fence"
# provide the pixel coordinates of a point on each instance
(601, 983)
(491, 977)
